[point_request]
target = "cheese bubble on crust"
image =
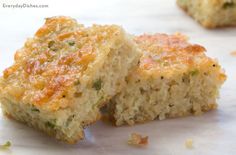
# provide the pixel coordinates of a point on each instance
(174, 78)
(64, 74)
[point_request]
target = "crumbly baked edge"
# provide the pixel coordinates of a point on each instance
(146, 100)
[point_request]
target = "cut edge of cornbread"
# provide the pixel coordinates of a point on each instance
(177, 80)
(65, 116)
(211, 13)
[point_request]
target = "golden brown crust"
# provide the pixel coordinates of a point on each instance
(49, 64)
(166, 54)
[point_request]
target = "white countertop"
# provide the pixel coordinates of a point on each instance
(213, 133)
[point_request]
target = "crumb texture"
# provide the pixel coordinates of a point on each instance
(174, 78)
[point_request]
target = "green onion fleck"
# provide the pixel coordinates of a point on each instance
(71, 43)
(97, 84)
(52, 46)
(194, 72)
(50, 124)
(69, 120)
(6, 145)
(35, 110)
(51, 43)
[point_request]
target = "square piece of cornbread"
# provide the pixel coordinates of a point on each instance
(174, 78)
(64, 74)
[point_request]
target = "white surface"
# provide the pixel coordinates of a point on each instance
(213, 133)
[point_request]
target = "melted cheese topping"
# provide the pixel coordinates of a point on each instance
(48, 66)
(165, 54)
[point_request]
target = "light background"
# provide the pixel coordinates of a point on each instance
(212, 133)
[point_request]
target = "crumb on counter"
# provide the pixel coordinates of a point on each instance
(189, 143)
(233, 53)
(6, 145)
(138, 140)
